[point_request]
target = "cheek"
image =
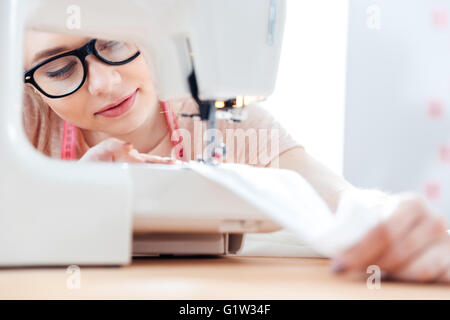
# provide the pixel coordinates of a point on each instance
(139, 71)
(138, 75)
(69, 109)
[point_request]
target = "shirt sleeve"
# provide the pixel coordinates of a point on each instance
(258, 140)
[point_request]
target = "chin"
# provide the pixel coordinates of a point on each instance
(134, 120)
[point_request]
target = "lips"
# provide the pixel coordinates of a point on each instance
(119, 107)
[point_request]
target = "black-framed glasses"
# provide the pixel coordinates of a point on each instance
(64, 74)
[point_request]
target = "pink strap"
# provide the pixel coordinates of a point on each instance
(175, 136)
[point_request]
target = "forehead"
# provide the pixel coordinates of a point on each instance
(39, 41)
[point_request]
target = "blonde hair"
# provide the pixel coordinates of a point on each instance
(41, 124)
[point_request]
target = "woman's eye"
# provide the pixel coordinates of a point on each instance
(110, 44)
(64, 71)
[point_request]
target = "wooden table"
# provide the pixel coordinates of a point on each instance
(207, 278)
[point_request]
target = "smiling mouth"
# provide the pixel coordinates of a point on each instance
(117, 104)
(112, 111)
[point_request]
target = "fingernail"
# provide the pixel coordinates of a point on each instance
(338, 266)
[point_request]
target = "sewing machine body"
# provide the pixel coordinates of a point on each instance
(57, 213)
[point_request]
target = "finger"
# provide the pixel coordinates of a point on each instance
(131, 155)
(127, 158)
(156, 159)
(109, 150)
(432, 229)
(431, 265)
(381, 238)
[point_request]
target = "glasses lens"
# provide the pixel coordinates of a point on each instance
(60, 76)
(115, 51)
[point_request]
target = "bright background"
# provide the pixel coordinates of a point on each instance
(309, 97)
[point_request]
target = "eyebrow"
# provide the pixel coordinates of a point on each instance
(48, 52)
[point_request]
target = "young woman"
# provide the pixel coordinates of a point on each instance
(102, 92)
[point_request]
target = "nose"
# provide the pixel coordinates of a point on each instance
(102, 79)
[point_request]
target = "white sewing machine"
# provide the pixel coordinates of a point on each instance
(57, 213)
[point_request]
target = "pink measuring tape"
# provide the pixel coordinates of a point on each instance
(69, 142)
(69, 139)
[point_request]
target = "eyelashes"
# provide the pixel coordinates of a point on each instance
(62, 72)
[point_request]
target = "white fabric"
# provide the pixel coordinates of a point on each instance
(287, 198)
(281, 243)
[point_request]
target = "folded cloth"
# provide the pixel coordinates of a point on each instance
(287, 198)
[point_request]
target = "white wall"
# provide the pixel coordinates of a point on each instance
(310, 94)
(397, 134)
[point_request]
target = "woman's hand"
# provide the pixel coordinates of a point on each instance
(115, 150)
(412, 245)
